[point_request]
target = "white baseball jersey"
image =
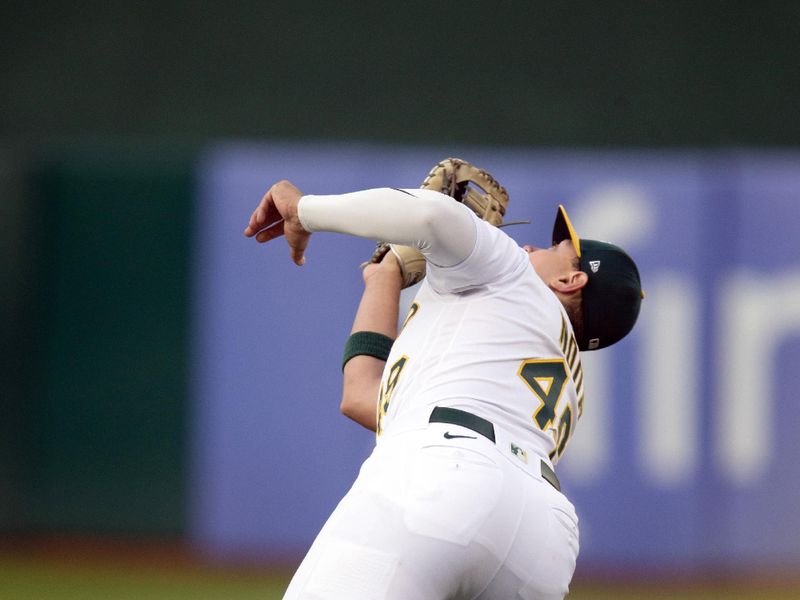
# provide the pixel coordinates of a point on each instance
(489, 337)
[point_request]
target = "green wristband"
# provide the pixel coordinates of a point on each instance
(369, 343)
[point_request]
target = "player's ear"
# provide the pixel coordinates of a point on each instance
(570, 282)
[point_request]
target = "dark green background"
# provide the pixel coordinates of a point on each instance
(104, 107)
(94, 378)
(502, 72)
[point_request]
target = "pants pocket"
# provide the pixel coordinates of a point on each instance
(450, 493)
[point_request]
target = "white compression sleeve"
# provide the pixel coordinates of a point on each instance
(442, 229)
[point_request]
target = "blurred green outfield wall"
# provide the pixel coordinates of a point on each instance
(95, 237)
(94, 401)
(16, 295)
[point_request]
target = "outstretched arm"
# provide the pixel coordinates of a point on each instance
(377, 312)
(443, 230)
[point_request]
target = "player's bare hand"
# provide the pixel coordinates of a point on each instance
(276, 215)
(388, 267)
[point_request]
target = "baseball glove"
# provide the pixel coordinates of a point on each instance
(473, 187)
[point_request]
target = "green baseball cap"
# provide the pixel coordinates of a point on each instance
(613, 294)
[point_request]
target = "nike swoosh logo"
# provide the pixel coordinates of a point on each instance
(450, 436)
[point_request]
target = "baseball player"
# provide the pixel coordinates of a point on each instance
(477, 397)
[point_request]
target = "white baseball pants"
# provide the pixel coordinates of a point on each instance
(430, 518)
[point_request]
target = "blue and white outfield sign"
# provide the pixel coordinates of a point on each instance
(688, 452)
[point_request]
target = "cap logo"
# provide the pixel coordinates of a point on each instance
(594, 265)
(593, 343)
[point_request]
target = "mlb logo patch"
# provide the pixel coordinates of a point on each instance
(519, 453)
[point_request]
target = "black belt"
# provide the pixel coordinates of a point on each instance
(454, 416)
